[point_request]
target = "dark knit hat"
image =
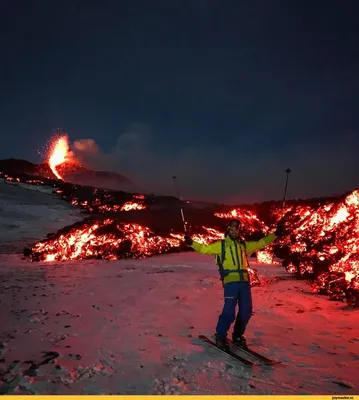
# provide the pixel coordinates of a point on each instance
(234, 221)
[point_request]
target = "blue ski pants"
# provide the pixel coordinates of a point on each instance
(235, 293)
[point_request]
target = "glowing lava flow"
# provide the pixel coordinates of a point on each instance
(59, 154)
(104, 239)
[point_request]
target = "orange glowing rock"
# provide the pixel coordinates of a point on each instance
(59, 153)
(265, 257)
(132, 206)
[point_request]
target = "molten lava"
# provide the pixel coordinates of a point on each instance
(103, 240)
(131, 205)
(211, 235)
(59, 154)
(266, 257)
(321, 240)
(99, 205)
(247, 217)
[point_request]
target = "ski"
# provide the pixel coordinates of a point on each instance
(229, 352)
(256, 355)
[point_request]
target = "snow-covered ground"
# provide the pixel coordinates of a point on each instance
(131, 327)
(29, 212)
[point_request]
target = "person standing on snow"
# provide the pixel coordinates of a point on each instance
(233, 268)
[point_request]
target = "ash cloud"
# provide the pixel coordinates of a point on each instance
(242, 171)
(138, 155)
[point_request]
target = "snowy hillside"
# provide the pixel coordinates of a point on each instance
(28, 213)
(131, 326)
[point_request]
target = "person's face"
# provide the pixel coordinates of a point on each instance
(233, 230)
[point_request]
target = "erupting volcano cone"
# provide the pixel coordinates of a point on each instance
(59, 154)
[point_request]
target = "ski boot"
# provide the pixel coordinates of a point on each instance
(222, 343)
(239, 341)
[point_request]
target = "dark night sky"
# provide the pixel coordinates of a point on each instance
(225, 94)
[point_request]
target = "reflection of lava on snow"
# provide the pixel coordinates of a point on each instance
(59, 154)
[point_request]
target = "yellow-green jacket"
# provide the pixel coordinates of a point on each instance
(235, 265)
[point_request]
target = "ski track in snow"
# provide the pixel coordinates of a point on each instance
(132, 326)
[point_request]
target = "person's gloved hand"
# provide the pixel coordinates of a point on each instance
(188, 240)
(279, 232)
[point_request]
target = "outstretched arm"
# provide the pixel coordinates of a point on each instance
(252, 246)
(213, 248)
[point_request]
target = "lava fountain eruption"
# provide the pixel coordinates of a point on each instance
(59, 153)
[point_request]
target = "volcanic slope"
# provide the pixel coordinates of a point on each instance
(131, 326)
(28, 213)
